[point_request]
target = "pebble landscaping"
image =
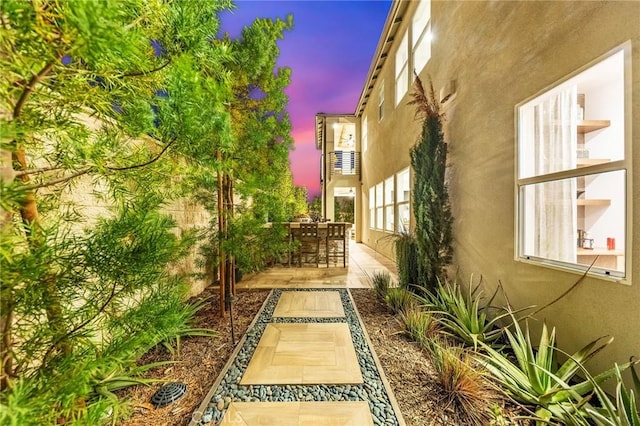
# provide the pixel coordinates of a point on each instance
(372, 390)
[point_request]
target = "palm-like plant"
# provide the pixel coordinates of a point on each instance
(536, 378)
(462, 316)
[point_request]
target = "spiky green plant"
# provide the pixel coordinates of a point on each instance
(419, 326)
(400, 300)
(381, 281)
(620, 409)
(465, 317)
(536, 378)
(464, 388)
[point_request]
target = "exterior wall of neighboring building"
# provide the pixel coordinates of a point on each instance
(501, 54)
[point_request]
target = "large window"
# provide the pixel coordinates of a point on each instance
(372, 207)
(573, 172)
(365, 134)
(403, 197)
(421, 30)
(381, 101)
(402, 68)
(379, 206)
(389, 205)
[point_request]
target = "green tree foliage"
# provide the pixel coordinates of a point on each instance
(315, 208)
(135, 99)
(431, 206)
(344, 209)
(258, 162)
(406, 247)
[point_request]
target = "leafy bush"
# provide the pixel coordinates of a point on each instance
(79, 388)
(464, 388)
(381, 281)
(536, 378)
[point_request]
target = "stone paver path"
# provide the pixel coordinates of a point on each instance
(306, 358)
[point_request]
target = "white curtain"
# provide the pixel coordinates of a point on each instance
(555, 144)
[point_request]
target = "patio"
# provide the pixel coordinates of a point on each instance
(363, 262)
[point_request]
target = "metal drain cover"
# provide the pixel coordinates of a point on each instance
(168, 394)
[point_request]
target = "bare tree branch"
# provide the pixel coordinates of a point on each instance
(29, 88)
(83, 324)
(84, 171)
(153, 160)
(36, 171)
(57, 181)
(141, 73)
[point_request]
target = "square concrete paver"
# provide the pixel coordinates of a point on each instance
(323, 304)
(315, 353)
(355, 413)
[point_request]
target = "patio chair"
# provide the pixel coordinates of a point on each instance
(336, 243)
(308, 243)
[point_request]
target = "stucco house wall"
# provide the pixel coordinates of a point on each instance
(500, 54)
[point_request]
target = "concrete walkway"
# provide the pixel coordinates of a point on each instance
(306, 358)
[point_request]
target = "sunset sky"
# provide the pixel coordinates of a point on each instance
(329, 51)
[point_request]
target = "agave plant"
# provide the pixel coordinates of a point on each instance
(619, 410)
(462, 316)
(625, 411)
(537, 379)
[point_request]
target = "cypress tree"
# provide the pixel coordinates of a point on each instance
(431, 207)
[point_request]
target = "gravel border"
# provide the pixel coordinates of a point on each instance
(372, 391)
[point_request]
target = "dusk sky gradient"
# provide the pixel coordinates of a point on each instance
(329, 52)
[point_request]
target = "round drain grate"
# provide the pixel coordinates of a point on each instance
(168, 394)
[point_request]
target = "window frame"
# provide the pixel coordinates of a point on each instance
(421, 33)
(364, 132)
(389, 203)
(402, 69)
(372, 207)
(381, 101)
(624, 165)
(400, 201)
(380, 206)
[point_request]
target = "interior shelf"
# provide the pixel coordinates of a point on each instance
(586, 126)
(584, 162)
(593, 202)
(599, 252)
